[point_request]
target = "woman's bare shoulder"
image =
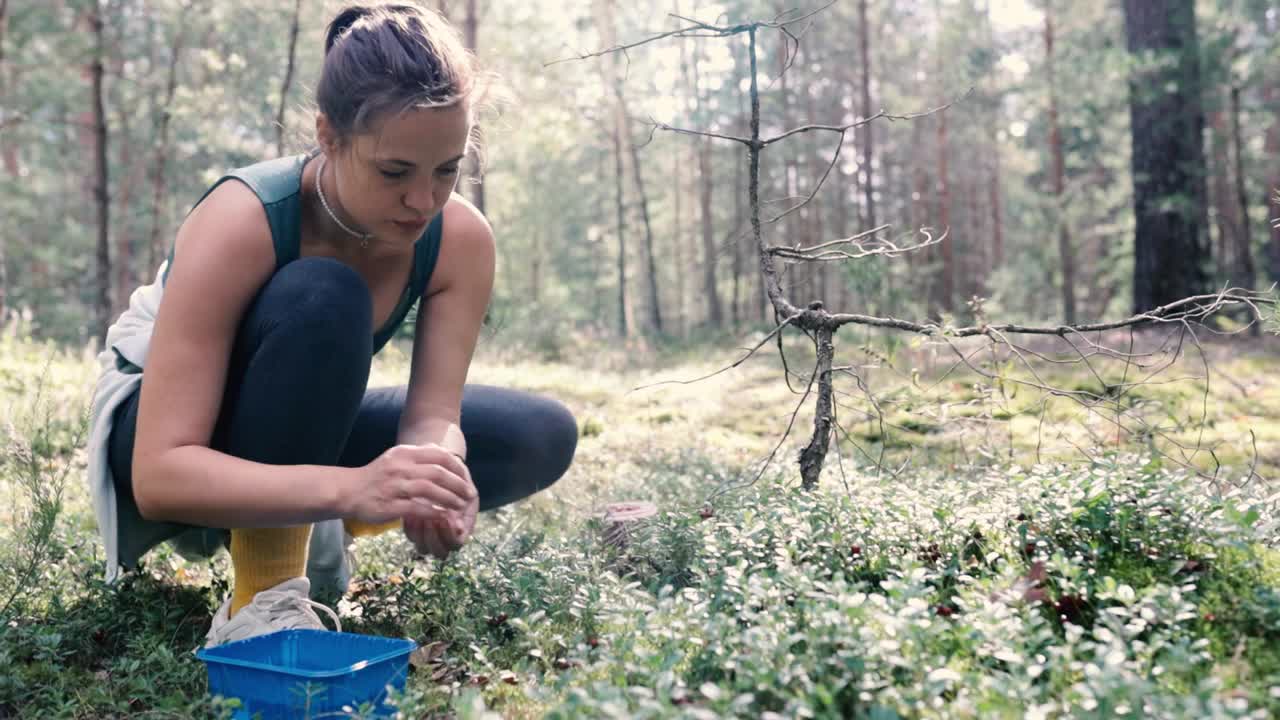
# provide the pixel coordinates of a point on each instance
(230, 222)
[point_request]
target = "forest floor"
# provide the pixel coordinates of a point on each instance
(977, 547)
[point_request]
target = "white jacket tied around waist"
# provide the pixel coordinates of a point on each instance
(127, 343)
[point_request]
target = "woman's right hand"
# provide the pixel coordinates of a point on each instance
(408, 479)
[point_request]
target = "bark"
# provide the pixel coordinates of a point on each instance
(9, 157)
(813, 454)
(637, 173)
(1066, 255)
(288, 73)
(1271, 193)
(1244, 274)
(624, 307)
(1167, 123)
(471, 36)
(997, 213)
(159, 181)
(678, 249)
(604, 12)
(945, 288)
(735, 304)
(628, 144)
(122, 263)
(1222, 197)
(101, 179)
(868, 142)
(715, 313)
(702, 146)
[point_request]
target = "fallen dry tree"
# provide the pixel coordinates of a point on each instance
(1003, 347)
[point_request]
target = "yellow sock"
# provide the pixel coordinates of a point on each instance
(265, 557)
(364, 529)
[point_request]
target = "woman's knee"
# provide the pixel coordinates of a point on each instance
(556, 439)
(316, 297)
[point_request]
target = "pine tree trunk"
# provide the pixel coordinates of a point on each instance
(1222, 197)
(868, 142)
(997, 213)
(101, 179)
(946, 286)
(1244, 275)
(715, 316)
(159, 181)
(471, 36)
(1271, 193)
(122, 263)
(1066, 255)
(288, 73)
(1167, 124)
(624, 307)
(9, 157)
(679, 232)
(735, 309)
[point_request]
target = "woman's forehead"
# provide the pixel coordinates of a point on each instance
(421, 135)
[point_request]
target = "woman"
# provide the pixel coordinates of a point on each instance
(256, 338)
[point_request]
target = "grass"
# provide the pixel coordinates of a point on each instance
(1012, 558)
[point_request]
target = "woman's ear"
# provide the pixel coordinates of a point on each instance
(326, 135)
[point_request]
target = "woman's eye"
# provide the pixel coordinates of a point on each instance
(393, 174)
(448, 171)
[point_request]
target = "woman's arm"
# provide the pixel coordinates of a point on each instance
(448, 327)
(445, 338)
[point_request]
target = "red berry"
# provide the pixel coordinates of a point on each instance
(855, 550)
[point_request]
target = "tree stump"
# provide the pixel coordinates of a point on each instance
(622, 519)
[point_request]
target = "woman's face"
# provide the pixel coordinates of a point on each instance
(393, 180)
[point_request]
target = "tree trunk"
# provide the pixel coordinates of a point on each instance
(997, 214)
(678, 231)
(946, 286)
(100, 186)
(122, 263)
(1167, 122)
(868, 143)
(159, 185)
(624, 307)
(715, 316)
(288, 73)
(1271, 193)
(10, 159)
(1066, 255)
(622, 118)
(1243, 273)
(471, 36)
(737, 239)
(1221, 197)
(637, 173)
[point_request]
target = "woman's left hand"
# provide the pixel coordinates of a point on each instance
(441, 532)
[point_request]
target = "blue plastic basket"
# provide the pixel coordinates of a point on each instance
(307, 673)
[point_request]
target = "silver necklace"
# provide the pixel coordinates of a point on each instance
(364, 237)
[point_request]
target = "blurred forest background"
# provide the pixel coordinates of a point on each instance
(115, 115)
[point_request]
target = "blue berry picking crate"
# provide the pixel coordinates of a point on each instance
(307, 673)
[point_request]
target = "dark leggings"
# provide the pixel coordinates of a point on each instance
(295, 394)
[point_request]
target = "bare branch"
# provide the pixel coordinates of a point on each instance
(819, 253)
(842, 129)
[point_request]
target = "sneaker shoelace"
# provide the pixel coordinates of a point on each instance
(282, 601)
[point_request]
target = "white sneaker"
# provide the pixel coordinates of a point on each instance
(283, 607)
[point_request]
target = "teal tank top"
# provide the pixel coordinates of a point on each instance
(278, 184)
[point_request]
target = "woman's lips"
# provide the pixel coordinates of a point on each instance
(410, 225)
